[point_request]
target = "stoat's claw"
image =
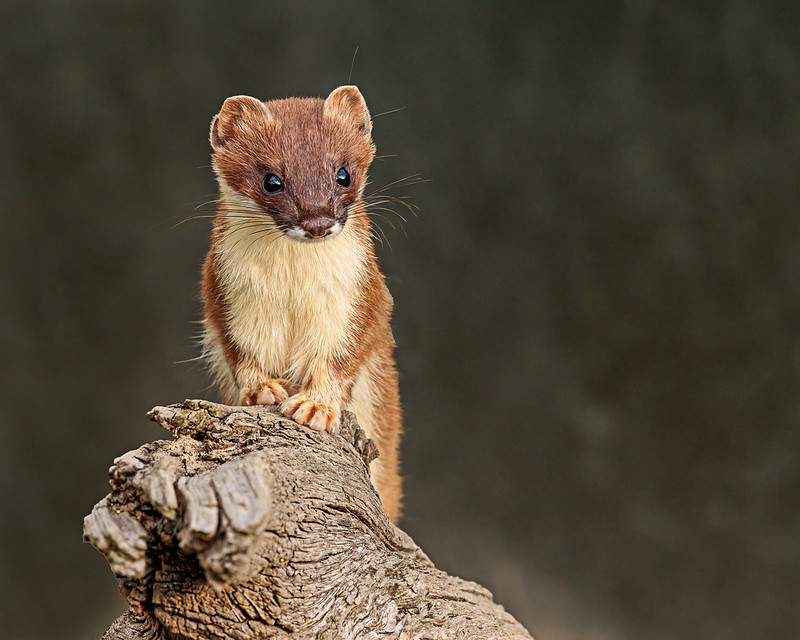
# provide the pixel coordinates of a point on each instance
(315, 415)
(272, 391)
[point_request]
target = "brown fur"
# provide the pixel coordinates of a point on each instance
(329, 347)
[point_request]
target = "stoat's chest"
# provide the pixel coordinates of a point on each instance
(291, 303)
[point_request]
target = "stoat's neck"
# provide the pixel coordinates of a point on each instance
(249, 247)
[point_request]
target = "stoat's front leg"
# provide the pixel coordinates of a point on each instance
(319, 402)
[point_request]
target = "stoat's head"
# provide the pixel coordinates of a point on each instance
(301, 161)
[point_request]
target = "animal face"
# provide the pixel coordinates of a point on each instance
(301, 161)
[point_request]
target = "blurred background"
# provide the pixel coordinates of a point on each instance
(597, 307)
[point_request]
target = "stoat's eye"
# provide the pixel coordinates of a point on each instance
(272, 183)
(343, 178)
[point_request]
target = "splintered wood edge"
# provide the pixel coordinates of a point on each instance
(119, 537)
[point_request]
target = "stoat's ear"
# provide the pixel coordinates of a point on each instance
(348, 104)
(238, 115)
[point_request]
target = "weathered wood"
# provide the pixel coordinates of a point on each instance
(248, 526)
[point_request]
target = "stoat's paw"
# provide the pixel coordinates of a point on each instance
(272, 391)
(317, 416)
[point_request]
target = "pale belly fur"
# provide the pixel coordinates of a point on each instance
(291, 304)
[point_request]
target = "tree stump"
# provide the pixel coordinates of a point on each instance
(246, 525)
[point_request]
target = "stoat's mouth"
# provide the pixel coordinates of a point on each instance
(301, 234)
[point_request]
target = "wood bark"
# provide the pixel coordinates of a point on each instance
(245, 525)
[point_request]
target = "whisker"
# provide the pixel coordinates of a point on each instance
(352, 64)
(407, 181)
(388, 210)
(386, 113)
(385, 237)
(386, 218)
(188, 360)
(412, 208)
(207, 202)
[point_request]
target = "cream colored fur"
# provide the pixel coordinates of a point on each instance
(290, 302)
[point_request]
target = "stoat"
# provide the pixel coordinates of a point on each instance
(296, 310)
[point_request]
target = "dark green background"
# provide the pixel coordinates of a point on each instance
(597, 308)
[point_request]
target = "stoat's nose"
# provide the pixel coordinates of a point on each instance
(317, 227)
